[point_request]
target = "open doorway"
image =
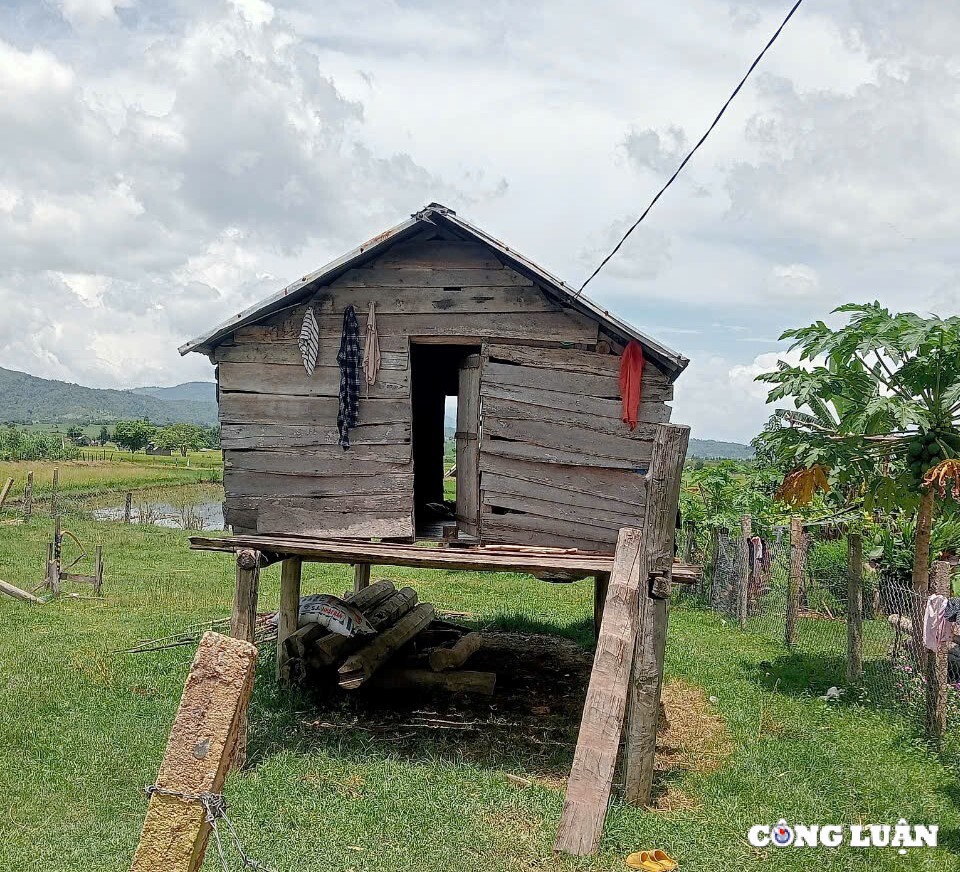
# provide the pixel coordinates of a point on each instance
(436, 383)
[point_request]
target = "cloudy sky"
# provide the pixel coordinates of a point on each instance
(165, 163)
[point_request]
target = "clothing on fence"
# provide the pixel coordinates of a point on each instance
(952, 613)
(631, 377)
(371, 349)
(349, 360)
(937, 630)
(309, 341)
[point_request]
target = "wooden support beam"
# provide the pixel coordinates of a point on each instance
(601, 727)
(601, 582)
(357, 668)
(742, 585)
(854, 608)
(288, 618)
(798, 564)
(5, 491)
(28, 497)
(127, 507)
(936, 663)
(243, 621)
(53, 491)
(659, 532)
(361, 576)
(201, 745)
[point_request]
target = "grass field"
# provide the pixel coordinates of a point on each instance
(82, 731)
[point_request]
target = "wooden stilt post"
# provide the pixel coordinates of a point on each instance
(854, 608)
(53, 491)
(127, 507)
(601, 582)
(291, 571)
(243, 622)
(57, 556)
(361, 576)
(5, 491)
(28, 497)
(798, 563)
(628, 666)
(98, 571)
(936, 665)
(201, 745)
(643, 711)
(743, 579)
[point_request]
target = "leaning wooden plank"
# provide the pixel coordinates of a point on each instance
(606, 485)
(401, 678)
(292, 380)
(492, 483)
(5, 491)
(442, 659)
(244, 408)
(595, 760)
(360, 666)
(567, 456)
(199, 751)
(510, 409)
(16, 593)
(590, 443)
(611, 517)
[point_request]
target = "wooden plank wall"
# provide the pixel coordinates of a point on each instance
(283, 469)
(558, 465)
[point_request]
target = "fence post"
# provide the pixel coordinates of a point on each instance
(28, 497)
(797, 566)
(936, 719)
(53, 491)
(127, 507)
(743, 578)
(689, 539)
(854, 608)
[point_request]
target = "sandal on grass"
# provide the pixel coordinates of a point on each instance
(667, 863)
(645, 861)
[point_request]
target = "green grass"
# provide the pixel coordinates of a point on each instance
(82, 731)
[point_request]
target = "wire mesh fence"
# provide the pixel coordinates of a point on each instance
(801, 601)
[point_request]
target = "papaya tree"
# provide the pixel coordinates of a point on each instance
(876, 414)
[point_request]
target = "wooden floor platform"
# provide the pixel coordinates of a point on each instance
(566, 563)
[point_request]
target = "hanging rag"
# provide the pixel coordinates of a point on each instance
(631, 376)
(757, 555)
(349, 359)
(936, 629)
(952, 612)
(309, 341)
(371, 349)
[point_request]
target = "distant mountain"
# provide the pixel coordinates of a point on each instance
(26, 399)
(194, 392)
(711, 449)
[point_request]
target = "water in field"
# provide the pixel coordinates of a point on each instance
(197, 507)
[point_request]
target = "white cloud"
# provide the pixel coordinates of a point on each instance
(84, 13)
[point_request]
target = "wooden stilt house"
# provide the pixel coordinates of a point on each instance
(543, 456)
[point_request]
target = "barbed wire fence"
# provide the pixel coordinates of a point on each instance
(793, 586)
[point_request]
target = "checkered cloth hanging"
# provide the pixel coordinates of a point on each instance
(309, 341)
(349, 358)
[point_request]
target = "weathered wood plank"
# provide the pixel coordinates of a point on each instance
(568, 456)
(434, 301)
(427, 277)
(288, 615)
(202, 742)
(442, 659)
(241, 483)
(565, 419)
(587, 384)
(588, 442)
(624, 486)
(495, 531)
(652, 406)
(569, 360)
(357, 668)
(17, 593)
(244, 408)
(594, 762)
(275, 436)
(600, 536)
(243, 619)
(288, 352)
(279, 518)
(468, 447)
(612, 517)
(324, 461)
(292, 380)
(555, 491)
(439, 253)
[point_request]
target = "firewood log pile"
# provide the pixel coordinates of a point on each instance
(412, 648)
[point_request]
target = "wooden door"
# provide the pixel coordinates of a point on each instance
(468, 460)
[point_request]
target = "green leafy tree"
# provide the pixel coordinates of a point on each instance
(876, 405)
(133, 435)
(182, 438)
(104, 435)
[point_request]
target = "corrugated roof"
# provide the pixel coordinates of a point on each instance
(438, 215)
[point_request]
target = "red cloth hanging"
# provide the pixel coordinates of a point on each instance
(631, 377)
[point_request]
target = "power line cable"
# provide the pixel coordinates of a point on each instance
(693, 151)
